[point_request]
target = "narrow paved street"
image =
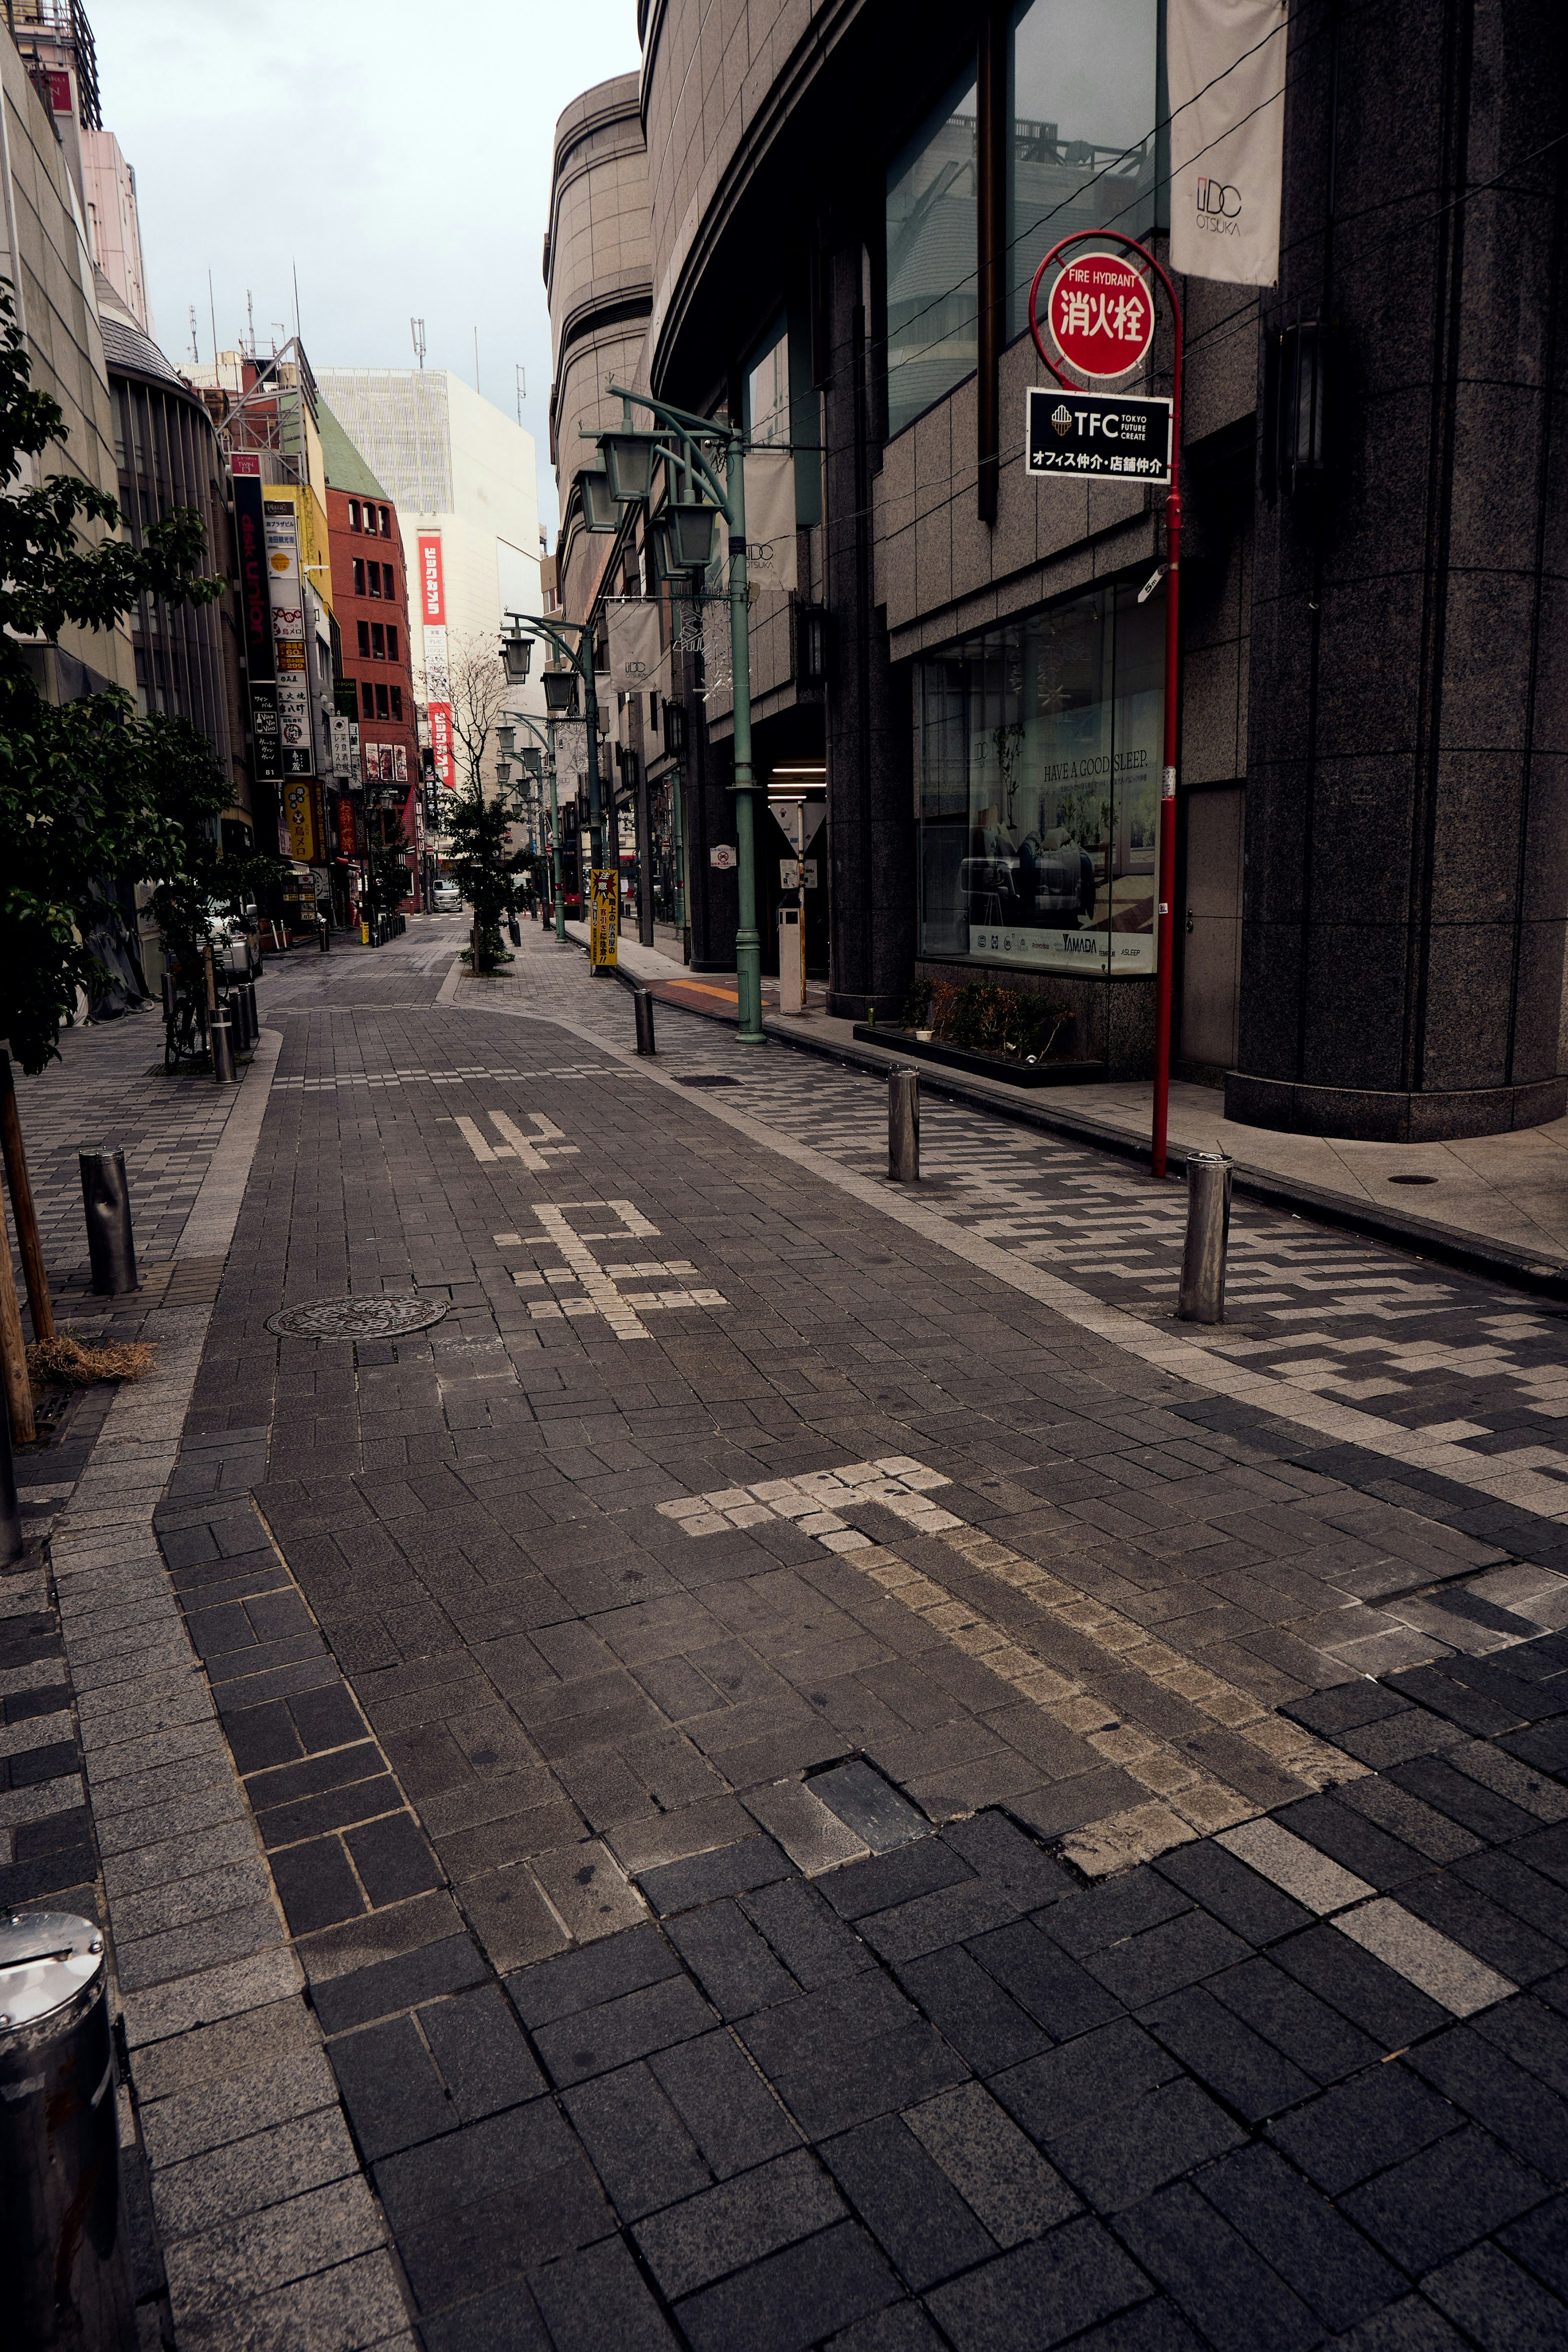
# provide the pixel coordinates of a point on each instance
(799, 1764)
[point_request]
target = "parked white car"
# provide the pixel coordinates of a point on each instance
(447, 899)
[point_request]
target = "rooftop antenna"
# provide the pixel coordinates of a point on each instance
(250, 317)
(195, 351)
(416, 326)
(212, 315)
(475, 359)
(522, 391)
(294, 267)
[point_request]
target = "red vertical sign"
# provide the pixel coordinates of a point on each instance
(437, 677)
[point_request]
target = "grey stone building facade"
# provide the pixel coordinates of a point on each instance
(846, 204)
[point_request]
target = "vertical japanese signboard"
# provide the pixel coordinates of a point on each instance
(255, 611)
(437, 673)
(603, 924)
(286, 593)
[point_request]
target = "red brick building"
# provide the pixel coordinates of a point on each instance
(370, 604)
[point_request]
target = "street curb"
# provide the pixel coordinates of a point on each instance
(1444, 1245)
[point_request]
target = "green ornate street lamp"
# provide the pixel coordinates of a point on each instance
(577, 651)
(686, 530)
(545, 736)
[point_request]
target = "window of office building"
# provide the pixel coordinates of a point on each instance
(378, 640)
(382, 702)
(358, 576)
(767, 392)
(1037, 780)
(367, 700)
(386, 523)
(391, 643)
(932, 299)
(397, 702)
(375, 570)
(364, 631)
(1081, 104)
(354, 514)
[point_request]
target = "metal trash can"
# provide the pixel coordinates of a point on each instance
(63, 2260)
(111, 1245)
(1201, 1297)
(904, 1126)
(643, 1006)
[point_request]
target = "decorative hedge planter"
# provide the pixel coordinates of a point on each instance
(983, 1065)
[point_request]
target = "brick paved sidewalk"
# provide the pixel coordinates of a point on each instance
(804, 1752)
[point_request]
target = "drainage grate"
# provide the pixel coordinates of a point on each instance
(356, 1319)
(707, 1078)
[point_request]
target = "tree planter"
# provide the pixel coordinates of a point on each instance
(983, 1065)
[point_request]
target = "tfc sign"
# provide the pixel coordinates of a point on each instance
(1102, 316)
(1105, 434)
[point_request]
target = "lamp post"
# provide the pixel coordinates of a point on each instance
(545, 736)
(687, 527)
(557, 685)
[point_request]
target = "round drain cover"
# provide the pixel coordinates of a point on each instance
(356, 1319)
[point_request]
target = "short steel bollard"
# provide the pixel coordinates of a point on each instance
(239, 1020)
(110, 1246)
(1201, 1298)
(220, 1037)
(12, 1543)
(904, 1126)
(324, 927)
(252, 1015)
(62, 2255)
(514, 930)
(642, 1004)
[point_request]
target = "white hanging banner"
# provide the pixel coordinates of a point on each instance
(634, 649)
(771, 519)
(570, 751)
(1226, 67)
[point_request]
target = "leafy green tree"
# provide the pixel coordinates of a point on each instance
(486, 869)
(200, 880)
(83, 786)
(386, 876)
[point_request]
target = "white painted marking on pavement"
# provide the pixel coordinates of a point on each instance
(814, 1500)
(1434, 1963)
(1297, 1868)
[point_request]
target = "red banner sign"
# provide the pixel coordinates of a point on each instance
(432, 590)
(345, 826)
(441, 743)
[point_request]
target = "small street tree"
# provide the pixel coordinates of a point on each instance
(479, 820)
(84, 786)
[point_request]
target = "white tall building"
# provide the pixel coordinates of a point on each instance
(460, 470)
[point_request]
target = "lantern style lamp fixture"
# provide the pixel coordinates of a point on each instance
(505, 740)
(600, 509)
(517, 652)
(503, 771)
(689, 527)
(628, 465)
(560, 692)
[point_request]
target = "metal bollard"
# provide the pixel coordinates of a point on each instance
(239, 1017)
(171, 999)
(904, 1126)
(11, 1540)
(514, 930)
(111, 1245)
(642, 1003)
(220, 1037)
(252, 1017)
(62, 2253)
(1201, 1298)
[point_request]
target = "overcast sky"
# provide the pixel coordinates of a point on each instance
(397, 155)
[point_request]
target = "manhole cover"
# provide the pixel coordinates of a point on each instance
(355, 1318)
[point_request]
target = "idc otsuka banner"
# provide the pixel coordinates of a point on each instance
(1226, 65)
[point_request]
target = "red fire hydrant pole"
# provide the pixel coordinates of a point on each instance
(1164, 933)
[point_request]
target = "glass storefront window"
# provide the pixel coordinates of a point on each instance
(1083, 101)
(932, 288)
(1037, 780)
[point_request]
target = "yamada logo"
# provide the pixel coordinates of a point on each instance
(1218, 208)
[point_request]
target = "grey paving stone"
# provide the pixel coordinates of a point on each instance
(595, 2040)
(354, 1998)
(1208, 1875)
(281, 2082)
(598, 2298)
(808, 1937)
(1213, 2275)
(794, 2297)
(1364, 2125)
(907, 2202)
(970, 2010)
(730, 1960)
(1495, 2301)
(503, 2319)
(390, 2087)
(736, 2223)
(1443, 2199)
(484, 2059)
(1330, 2265)
(732, 1870)
(269, 2166)
(724, 2103)
(638, 2144)
(557, 1987)
(864, 1887)
(999, 2176)
(1041, 2293)
(868, 1805)
(1361, 1988)
(1063, 1998)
